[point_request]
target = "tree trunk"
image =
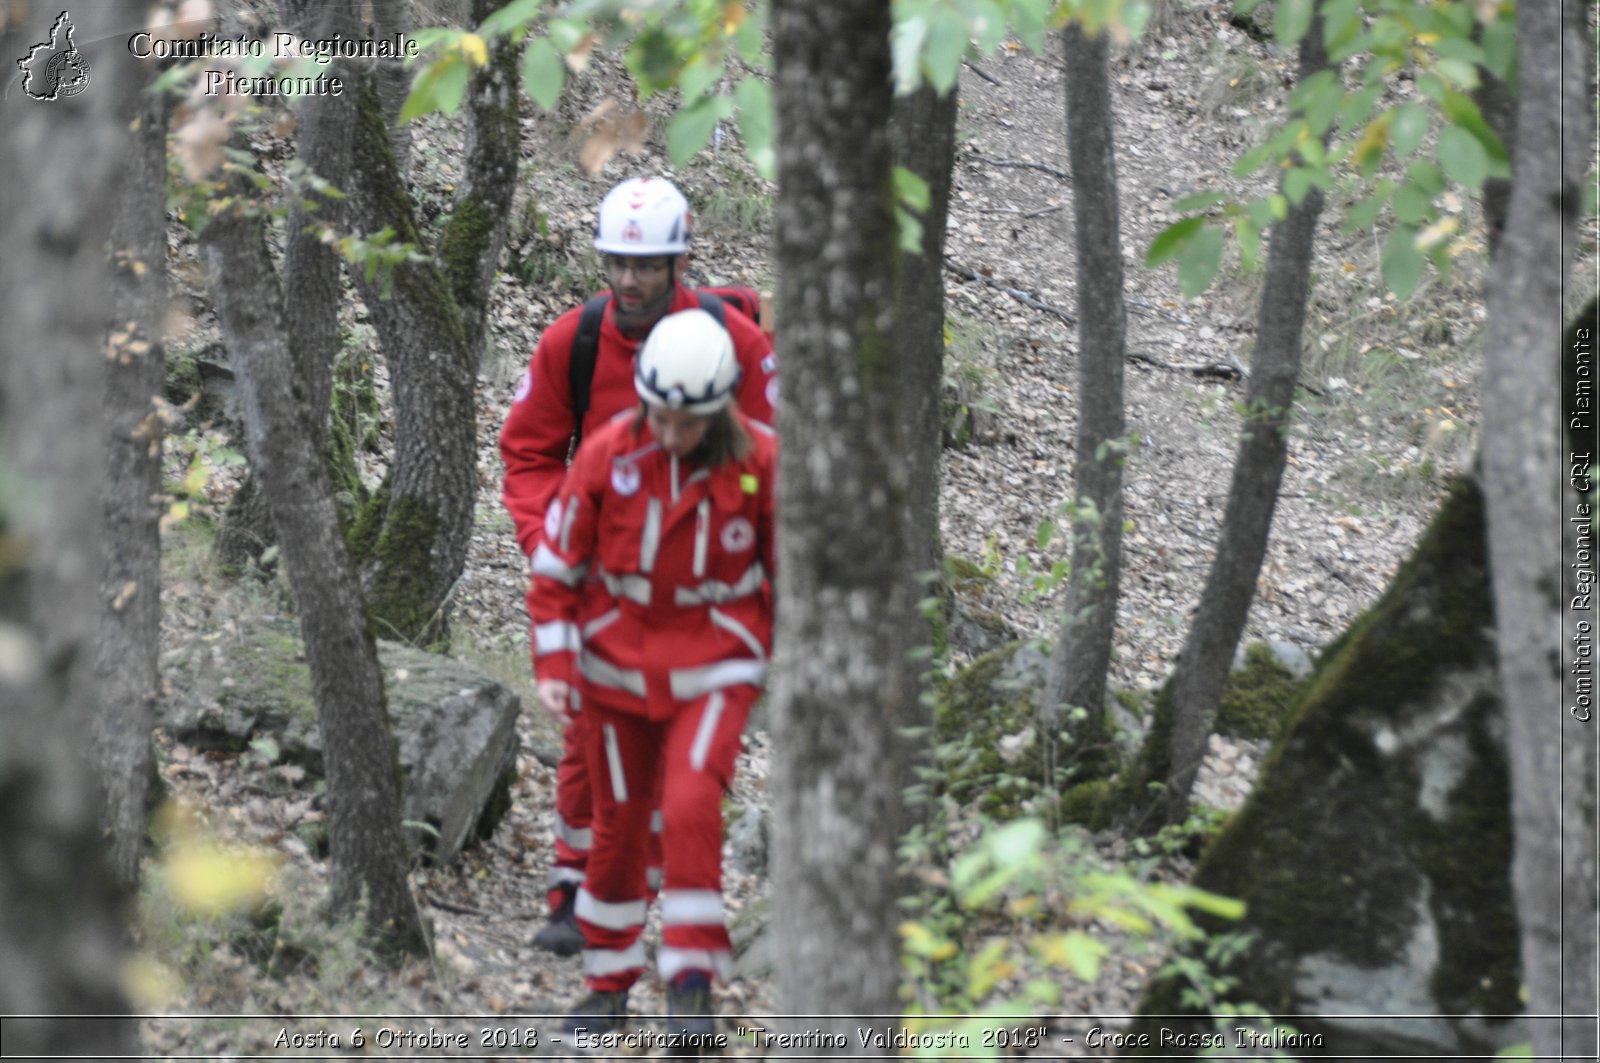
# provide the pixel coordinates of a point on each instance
(62, 917)
(1082, 654)
(1528, 491)
(414, 537)
(394, 80)
(844, 606)
(127, 649)
(1253, 493)
(311, 278)
(922, 134)
(367, 852)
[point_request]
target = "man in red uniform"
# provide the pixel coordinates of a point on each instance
(652, 587)
(642, 233)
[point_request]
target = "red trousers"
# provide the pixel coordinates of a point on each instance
(684, 766)
(575, 818)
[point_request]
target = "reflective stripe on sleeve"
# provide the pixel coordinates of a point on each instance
(601, 671)
(702, 536)
(600, 623)
(633, 588)
(557, 636)
(546, 563)
(739, 631)
(570, 511)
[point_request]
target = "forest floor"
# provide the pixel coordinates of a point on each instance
(1386, 413)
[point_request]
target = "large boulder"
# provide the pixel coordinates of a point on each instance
(1374, 854)
(454, 728)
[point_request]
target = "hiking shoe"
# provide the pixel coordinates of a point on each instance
(561, 934)
(600, 1012)
(691, 1017)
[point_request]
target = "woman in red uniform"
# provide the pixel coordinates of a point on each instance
(654, 621)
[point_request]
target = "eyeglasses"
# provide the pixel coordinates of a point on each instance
(642, 267)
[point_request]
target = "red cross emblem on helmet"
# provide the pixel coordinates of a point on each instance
(631, 232)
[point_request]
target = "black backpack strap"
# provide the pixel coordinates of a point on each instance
(581, 362)
(711, 303)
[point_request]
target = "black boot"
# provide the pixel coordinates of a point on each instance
(599, 1012)
(691, 1017)
(561, 934)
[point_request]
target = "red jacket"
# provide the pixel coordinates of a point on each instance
(538, 429)
(648, 580)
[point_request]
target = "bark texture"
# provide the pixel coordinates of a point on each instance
(311, 272)
(1082, 653)
(127, 648)
(1253, 492)
(841, 678)
(61, 909)
(367, 851)
(1528, 496)
(430, 318)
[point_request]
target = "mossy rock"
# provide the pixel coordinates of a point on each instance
(1259, 696)
(1373, 856)
(988, 742)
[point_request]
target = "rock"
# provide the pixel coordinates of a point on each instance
(974, 630)
(1373, 857)
(1293, 659)
(454, 728)
(754, 952)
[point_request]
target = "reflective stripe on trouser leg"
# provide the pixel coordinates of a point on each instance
(700, 748)
(624, 764)
(574, 811)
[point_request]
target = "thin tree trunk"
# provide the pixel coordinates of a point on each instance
(1082, 655)
(922, 134)
(127, 650)
(394, 80)
(62, 914)
(1253, 493)
(367, 852)
(841, 676)
(1528, 497)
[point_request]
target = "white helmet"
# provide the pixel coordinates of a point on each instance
(643, 216)
(687, 363)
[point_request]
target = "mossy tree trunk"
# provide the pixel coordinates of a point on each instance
(841, 676)
(1529, 495)
(62, 912)
(430, 317)
(1082, 654)
(1253, 492)
(311, 276)
(367, 850)
(127, 647)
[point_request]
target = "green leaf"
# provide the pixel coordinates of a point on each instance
(1402, 262)
(1171, 241)
(700, 76)
(1296, 183)
(1083, 954)
(1426, 176)
(1463, 158)
(1198, 201)
(1363, 214)
(543, 72)
(513, 16)
(1199, 262)
(1047, 531)
(945, 47)
(905, 48)
(1500, 48)
(910, 227)
(1028, 22)
(1412, 205)
(691, 127)
(266, 747)
(424, 96)
(911, 190)
(452, 87)
(757, 124)
(1249, 237)
(1458, 72)
(1408, 127)
(1341, 21)
(1291, 21)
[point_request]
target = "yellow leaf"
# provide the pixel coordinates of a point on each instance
(1373, 140)
(1436, 233)
(179, 511)
(204, 877)
(474, 49)
(732, 17)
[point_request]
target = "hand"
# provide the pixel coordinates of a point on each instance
(555, 697)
